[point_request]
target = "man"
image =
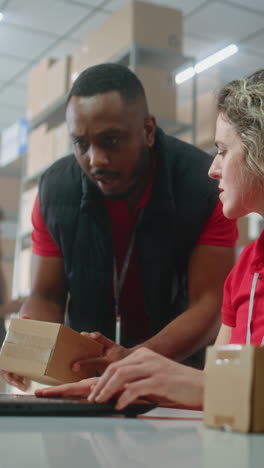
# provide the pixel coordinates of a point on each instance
(129, 226)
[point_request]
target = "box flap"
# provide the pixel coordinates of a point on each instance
(70, 347)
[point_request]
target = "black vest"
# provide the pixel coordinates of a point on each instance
(182, 199)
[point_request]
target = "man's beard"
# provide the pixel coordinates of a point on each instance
(139, 174)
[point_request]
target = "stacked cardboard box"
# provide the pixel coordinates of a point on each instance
(137, 23)
(48, 82)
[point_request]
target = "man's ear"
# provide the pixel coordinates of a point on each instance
(150, 130)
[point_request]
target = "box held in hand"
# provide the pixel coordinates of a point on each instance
(44, 352)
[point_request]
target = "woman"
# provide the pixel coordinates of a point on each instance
(239, 167)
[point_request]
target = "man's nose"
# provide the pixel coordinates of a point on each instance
(97, 157)
(215, 169)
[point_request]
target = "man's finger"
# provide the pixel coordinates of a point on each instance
(97, 336)
(99, 364)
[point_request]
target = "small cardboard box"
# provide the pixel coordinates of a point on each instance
(234, 388)
(44, 352)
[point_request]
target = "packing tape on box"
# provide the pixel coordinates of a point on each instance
(16, 341)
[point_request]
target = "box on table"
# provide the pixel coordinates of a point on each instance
(137, 22)
(45, 351)
(234, 388)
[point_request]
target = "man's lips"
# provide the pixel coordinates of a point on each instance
(105, 177)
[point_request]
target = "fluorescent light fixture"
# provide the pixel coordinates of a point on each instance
(185, 75)
(1, 16)
(206, 63)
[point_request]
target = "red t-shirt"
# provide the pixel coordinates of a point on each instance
(237, 290)
(218, 230)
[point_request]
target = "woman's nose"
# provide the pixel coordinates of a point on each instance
(215, 169)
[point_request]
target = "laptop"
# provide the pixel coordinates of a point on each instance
(30, 405)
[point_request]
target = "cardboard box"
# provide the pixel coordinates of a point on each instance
(234, 388)
(10, 194)
(61, 141)
(136, 22)
(37, 88)
(205, 119)
(8, 270)
(7, 247)
(38, 157)
(160, 91)
(44, 351)
(58, 74)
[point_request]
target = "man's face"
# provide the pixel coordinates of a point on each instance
(111, 140)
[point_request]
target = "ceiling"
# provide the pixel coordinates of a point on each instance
(34, 29)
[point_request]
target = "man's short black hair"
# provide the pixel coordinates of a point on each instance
(107, 77)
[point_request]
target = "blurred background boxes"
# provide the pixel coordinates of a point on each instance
(160, 91)
(48, 82)
(162, 30)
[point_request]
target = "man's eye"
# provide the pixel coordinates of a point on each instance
(111, 141)
(220, 152)
(81, 145)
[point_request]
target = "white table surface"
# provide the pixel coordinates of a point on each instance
(166, 438)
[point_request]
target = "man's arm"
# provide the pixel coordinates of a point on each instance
(199, 324)
(48, 292)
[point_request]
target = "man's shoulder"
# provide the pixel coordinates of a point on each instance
(61, 179)
(179, 149)
(62, 167)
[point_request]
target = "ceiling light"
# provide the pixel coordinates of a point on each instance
(185, 75)
(206, 63)
(1, 16)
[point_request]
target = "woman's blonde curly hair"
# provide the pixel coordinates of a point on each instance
(241, 102)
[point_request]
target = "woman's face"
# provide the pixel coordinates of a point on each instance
(238, 192)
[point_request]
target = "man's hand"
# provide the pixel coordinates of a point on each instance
(147, 374)
(111, 352)
(17, 380)
(79, 389)
(11, 307)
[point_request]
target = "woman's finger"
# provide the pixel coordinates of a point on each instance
(79, 389)
(120, 378)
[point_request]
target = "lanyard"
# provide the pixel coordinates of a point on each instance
(118, 282)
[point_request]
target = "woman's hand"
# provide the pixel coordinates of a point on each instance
(147, 374)
(79, 389)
